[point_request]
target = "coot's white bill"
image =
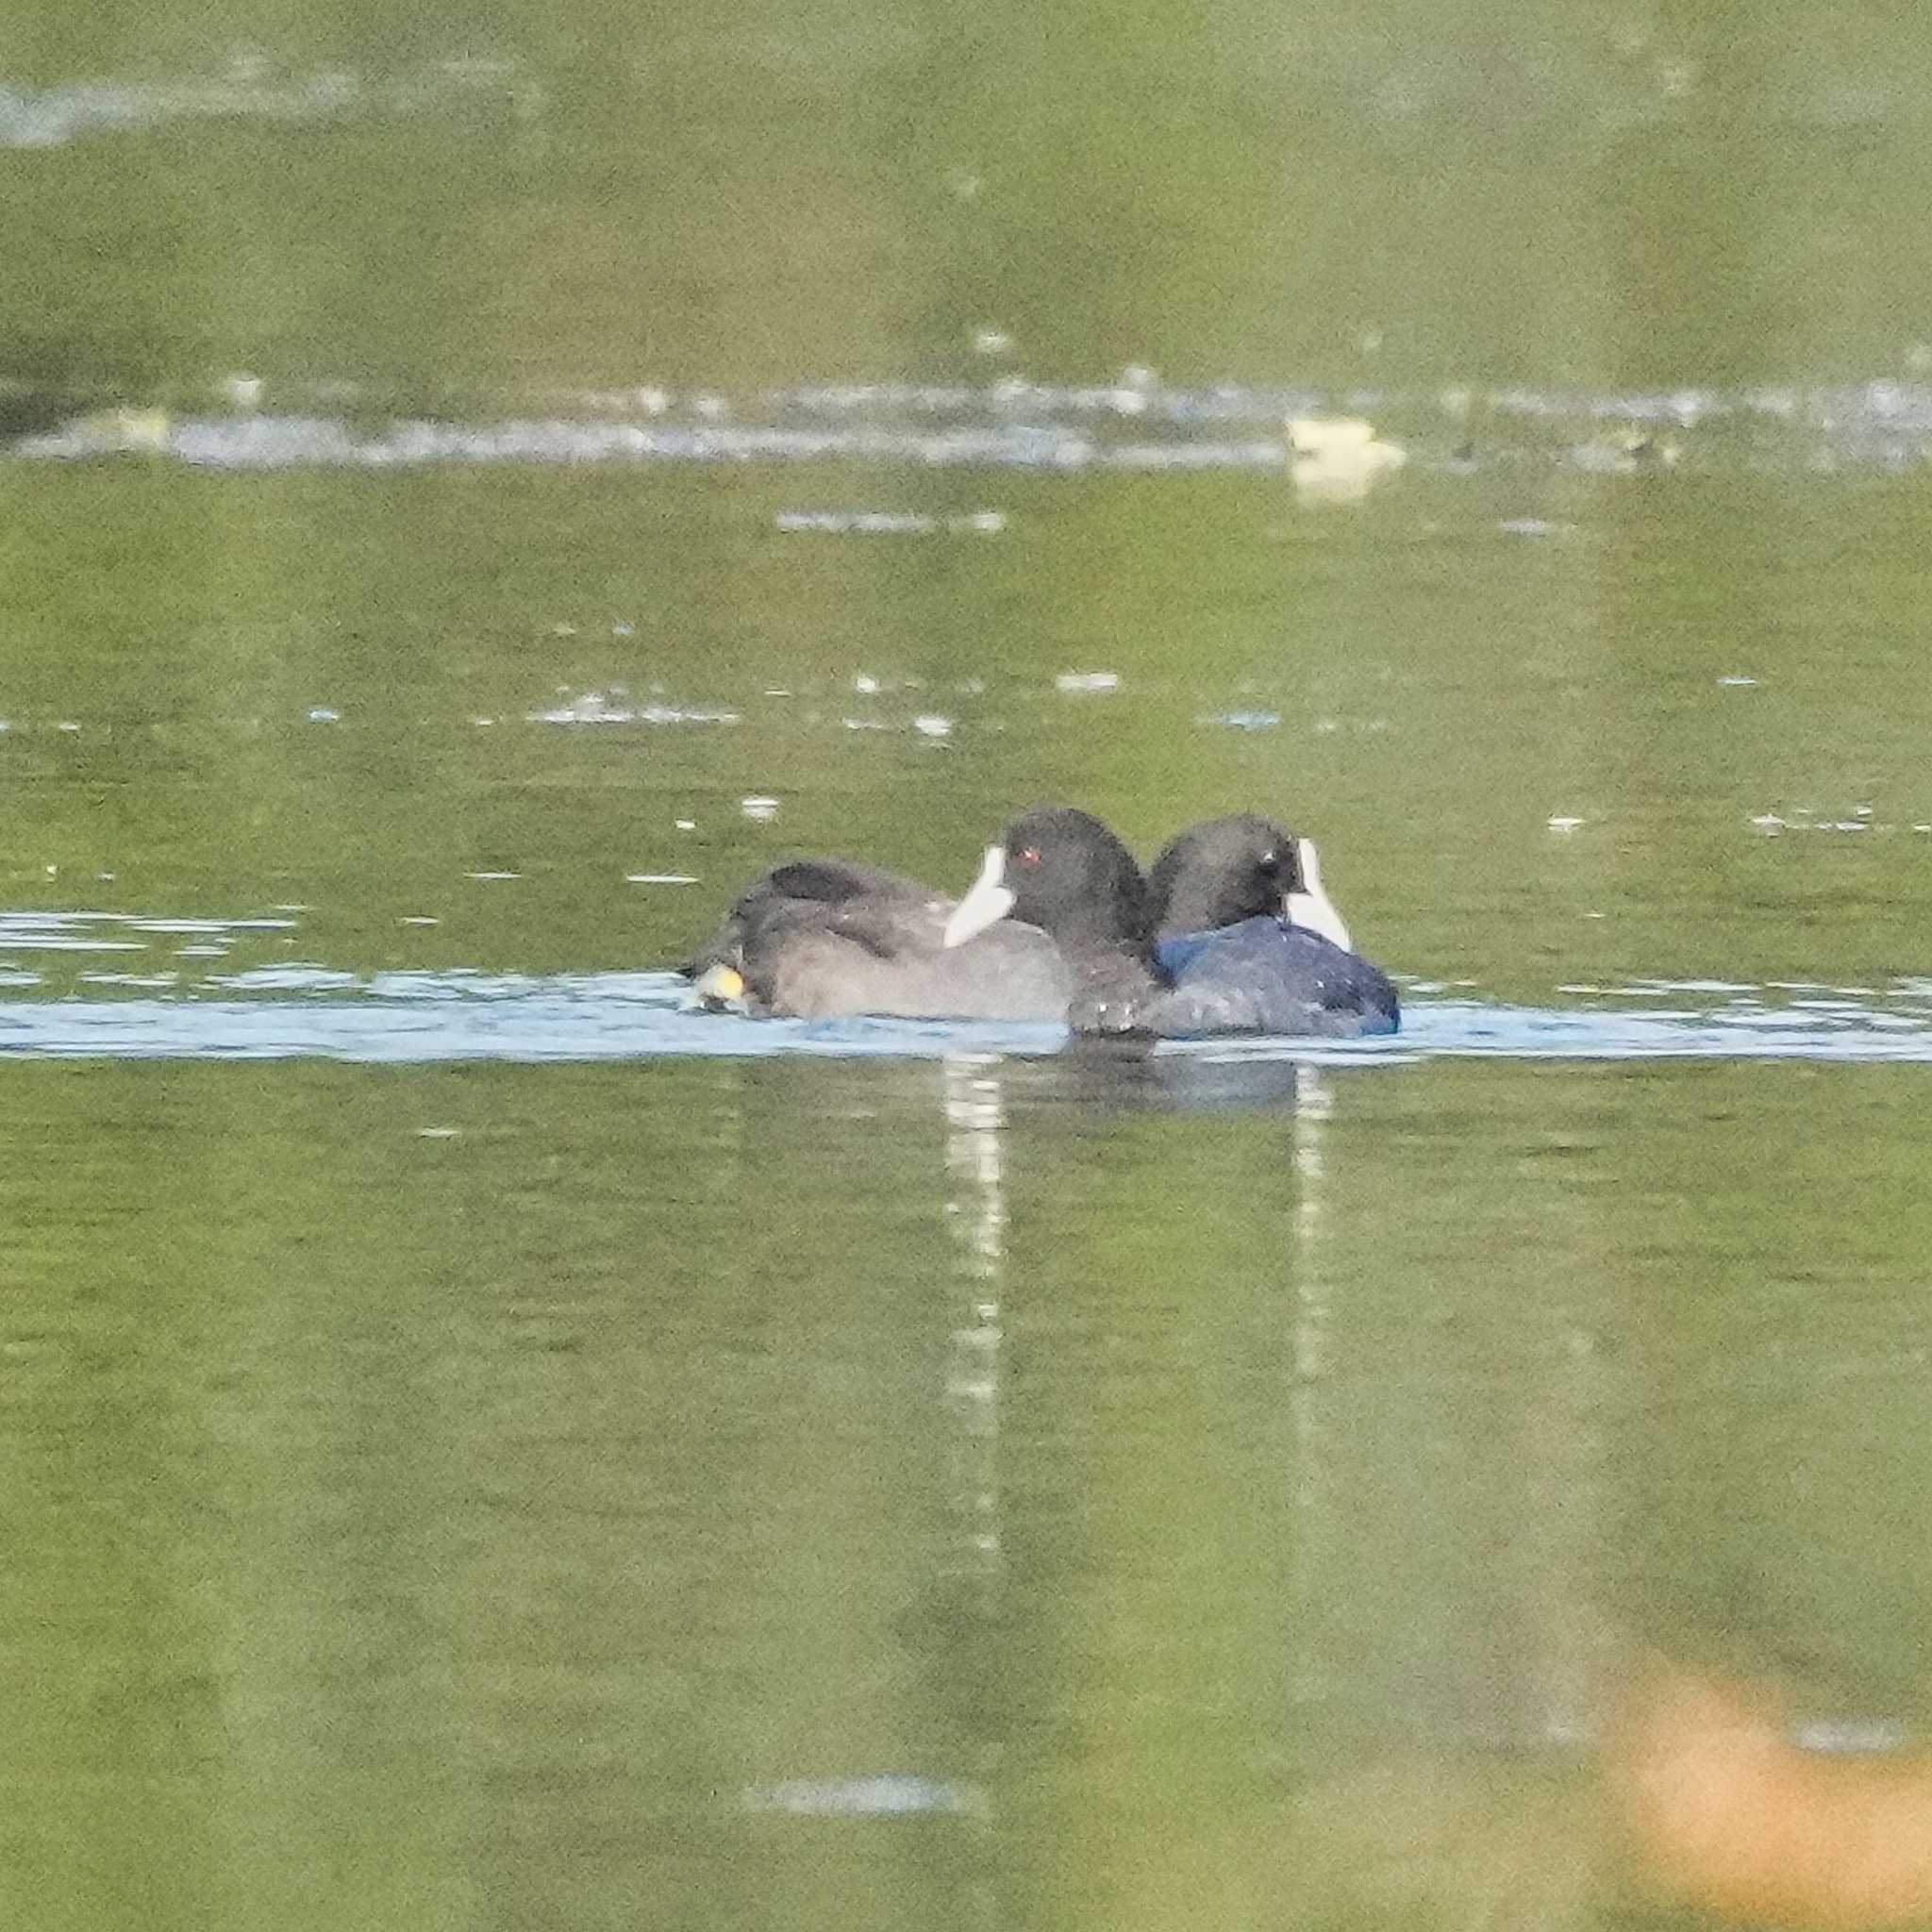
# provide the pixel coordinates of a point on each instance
(989, 902)
(1311, 909)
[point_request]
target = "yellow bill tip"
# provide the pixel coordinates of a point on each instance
(719, 985)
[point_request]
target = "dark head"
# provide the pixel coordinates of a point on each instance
(1065, 873)
(1224, 871)
(1221, 871)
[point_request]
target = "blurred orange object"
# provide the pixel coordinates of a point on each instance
(1725, 1814)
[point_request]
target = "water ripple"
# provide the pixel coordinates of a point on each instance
(248, 424)
(249, 90)
(418, 1017)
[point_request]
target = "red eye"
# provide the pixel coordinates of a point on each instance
(1030, 856)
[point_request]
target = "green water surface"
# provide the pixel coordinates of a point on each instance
(960, 1492)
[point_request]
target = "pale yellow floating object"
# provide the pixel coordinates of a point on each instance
(1338, 458)
(1648, 450)
(127, 429)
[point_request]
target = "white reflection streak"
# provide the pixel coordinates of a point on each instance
(1567, 1504)
(1313, 1108)
(975, 1117)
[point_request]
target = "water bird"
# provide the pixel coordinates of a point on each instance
(821, 938)
(1233, 918)
(1065, 873)
(1227, 870)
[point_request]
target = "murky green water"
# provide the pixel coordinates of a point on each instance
(481, 1447)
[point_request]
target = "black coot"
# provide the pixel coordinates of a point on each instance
(1139, 962)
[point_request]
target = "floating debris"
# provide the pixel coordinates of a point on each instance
(1629, 452)
(123, 432)
(1338, 458)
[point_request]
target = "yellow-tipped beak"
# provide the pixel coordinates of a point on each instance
(719, 985)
